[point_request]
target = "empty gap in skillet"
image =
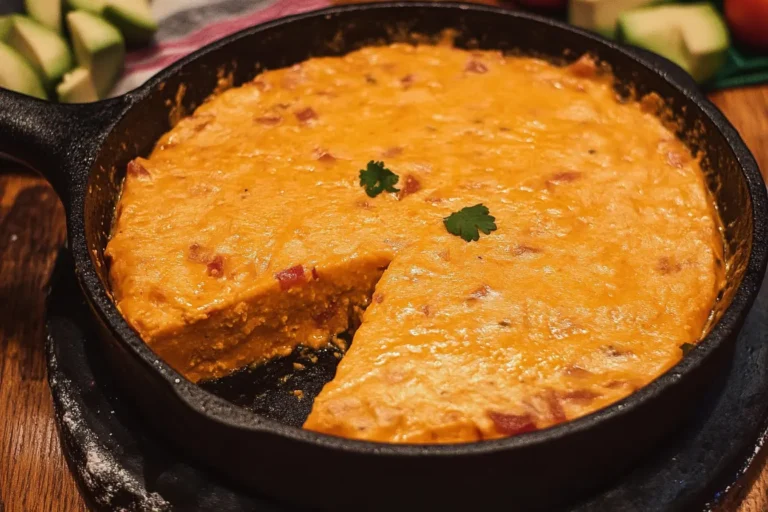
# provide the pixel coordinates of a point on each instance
(282, 389)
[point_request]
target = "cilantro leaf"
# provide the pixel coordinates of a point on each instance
(376, 179)
(468, 222)
(686, 348)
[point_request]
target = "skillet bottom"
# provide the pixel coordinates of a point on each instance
(119, 463)
(278, 389)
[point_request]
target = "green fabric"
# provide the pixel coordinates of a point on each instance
(740, 70)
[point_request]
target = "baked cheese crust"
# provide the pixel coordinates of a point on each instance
(246, 232)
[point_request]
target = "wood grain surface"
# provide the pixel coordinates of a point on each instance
(33, 474)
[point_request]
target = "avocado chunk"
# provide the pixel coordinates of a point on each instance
(45, 12)
(43, 48)
(92, 6)
(17, 75)
(601, 15)
(99, 47)
(133, 18)
(692, 36)
(5, 27)
(77, 87)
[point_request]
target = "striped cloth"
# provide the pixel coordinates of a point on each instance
(186, 25)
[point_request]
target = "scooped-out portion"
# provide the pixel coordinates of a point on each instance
(517, 246)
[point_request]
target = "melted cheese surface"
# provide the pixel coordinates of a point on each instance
(246, 232)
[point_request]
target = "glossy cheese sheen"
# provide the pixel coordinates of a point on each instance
(246, 232)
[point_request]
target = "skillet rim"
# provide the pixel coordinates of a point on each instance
(220, 411)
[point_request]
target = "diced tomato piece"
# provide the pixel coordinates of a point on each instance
(269, 120)
(136, 169)
(512, 424)
(411, 186)
(324, 156)
(580, 396)
(565, 177)
(555, 407)
(306, 114)
(475, 66)
(585, 67)
(291, 277)
(216, 266)
(524, 249)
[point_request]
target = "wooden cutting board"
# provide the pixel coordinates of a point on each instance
(33, 473)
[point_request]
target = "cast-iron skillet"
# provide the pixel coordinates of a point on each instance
(83, 150)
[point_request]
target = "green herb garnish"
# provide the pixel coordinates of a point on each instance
(687, 347)
(468, 222)
(376, 179)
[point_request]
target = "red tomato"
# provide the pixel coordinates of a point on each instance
(748, 20)
(544, 4)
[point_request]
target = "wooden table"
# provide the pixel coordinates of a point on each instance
(33, 474)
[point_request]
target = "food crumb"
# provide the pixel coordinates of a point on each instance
(298, 366)
(298, 394)
(340, 343)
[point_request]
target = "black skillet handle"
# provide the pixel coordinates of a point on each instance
(55, 139)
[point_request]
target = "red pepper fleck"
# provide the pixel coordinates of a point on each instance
(269, 120)
(378, 298)
(200, 121)
(577, 371)
(555, 407)
(324, 156)
(675, 159)
(613, 351)
(564, 177)
(425, 309)
(325, 315)
(392, 152)
(407, 80)
(136, 169)
(524, 249)
(585, 67)
(216, 266)
(480, 292)
(291, 277)
(580, 396)
(475, 66)
(411, 186)
(197, 254)
(666, 267)
(306, 114)
(619, 384)
(512, 424)
(261, 85)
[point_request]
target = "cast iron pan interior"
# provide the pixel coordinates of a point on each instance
(84, 150)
